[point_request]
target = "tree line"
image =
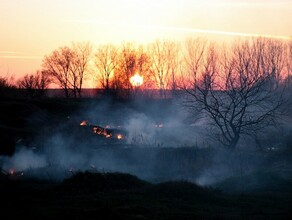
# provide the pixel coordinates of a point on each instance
(163, 64)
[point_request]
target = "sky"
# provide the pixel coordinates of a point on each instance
(31, 29)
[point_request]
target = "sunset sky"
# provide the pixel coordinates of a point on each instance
(30, 29)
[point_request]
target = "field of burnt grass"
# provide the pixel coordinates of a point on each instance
(53, 168)
(88, 195)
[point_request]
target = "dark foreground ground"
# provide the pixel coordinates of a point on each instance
(122, 196)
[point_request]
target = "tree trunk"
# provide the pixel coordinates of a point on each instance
(232, 144)
(66, 92)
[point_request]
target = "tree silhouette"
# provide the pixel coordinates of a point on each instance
(34, 84)
(67, 67)
(239, 90)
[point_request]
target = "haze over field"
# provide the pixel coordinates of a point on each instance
(32, 29)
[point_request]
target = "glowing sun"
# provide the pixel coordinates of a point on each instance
(136, 80)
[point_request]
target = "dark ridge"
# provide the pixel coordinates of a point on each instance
(87, 182)
(88, 195)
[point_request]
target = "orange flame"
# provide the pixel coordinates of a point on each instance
(83, 123)
(120, 137)
(108, 135)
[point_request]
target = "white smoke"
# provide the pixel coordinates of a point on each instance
(24, 159)
(141, 130)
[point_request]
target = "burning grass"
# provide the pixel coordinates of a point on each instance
(108, 132)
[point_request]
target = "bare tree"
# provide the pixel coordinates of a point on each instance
(34, 84)
(194, 51)
(28, 83)
(239, 92)
(106, 63)
(79, 66)
(289, 62)
(143, 69)
(160, 51)
(43, 81)
(7, 86)
(58, 66)
(174, 60)
(67, 67)
(127, 66)
(4, 83)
